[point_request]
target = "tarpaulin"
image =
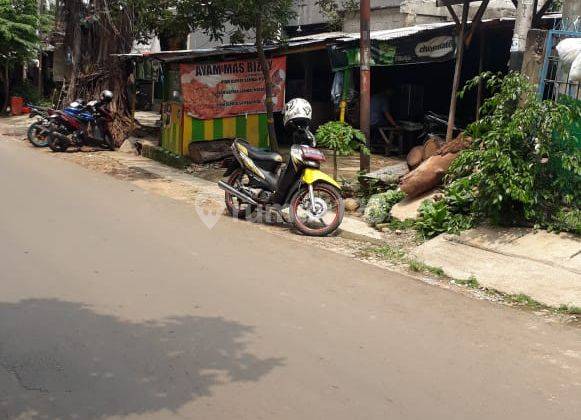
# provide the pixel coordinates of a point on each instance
(230, 88)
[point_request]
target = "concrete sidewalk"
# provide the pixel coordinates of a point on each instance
(544, 266)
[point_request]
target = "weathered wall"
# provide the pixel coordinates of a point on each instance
(388, 18)
(418, 12)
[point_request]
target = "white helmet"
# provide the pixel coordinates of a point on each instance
(296, 109)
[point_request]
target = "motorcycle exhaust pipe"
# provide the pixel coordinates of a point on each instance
(244, 197)
(60, 136)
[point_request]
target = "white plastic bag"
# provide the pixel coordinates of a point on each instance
(568, 50)
(575, 73)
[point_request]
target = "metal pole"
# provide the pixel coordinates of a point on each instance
(365, 80)
(457, 71)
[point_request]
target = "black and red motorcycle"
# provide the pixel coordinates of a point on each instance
(83, 124)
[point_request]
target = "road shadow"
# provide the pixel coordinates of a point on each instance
(62, 360)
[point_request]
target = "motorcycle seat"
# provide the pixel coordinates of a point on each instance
(255, 153)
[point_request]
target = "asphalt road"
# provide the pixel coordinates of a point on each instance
(115, 302)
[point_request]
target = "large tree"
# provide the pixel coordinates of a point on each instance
(18, 37)
(95, 31)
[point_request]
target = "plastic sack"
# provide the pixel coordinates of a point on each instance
(575, 73)
(568, 50)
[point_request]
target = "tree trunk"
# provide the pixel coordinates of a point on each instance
(524, 18)
(93, 68)
(335, 171)
(6, 89)
(267, 85)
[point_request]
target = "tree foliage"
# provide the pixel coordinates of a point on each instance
(177, 18)
(335, 10)
(342, 139)
(19, 21)
(19, 41)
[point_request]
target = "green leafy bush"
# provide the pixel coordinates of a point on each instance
(568, 220)
(379, 205)
(436, 217)
(523, 166)
(342, 139)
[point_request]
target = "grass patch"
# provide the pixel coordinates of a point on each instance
(571, 310)
(469, 282)
(389, 253)
(395, 224)
(524, 300)
(396, 255)
(420, 267)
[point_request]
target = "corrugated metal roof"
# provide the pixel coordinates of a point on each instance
(321, 39)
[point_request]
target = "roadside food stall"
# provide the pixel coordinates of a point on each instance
(218, 93)
(417, 64)
(218, 99)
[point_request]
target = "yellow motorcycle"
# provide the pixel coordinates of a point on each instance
(259, 179)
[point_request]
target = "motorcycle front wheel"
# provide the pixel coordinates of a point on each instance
(322, 218)
(37, 135)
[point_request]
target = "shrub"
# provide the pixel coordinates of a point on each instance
(523, 167)
(379, 206)
(342, 139)
(436, 217)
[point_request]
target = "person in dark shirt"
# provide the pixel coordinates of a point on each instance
(380, 112)
(380, 116)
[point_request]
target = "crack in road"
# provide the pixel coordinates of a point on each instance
(12, 371)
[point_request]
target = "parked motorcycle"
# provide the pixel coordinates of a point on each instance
(259, 179)
(82, 124)
(38, 132)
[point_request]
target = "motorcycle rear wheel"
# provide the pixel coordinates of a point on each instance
(236, 207)
(36, 136)
(315, 225)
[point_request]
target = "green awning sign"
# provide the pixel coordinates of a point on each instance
(412, 50)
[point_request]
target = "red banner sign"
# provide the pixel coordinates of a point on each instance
(230, 88)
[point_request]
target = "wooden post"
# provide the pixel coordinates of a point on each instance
(457, 70)
(479, 92)
(365, 80)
